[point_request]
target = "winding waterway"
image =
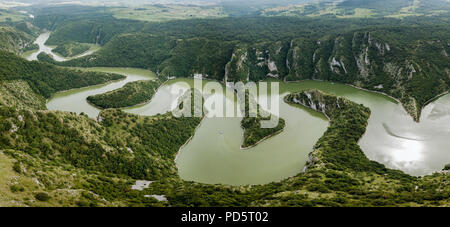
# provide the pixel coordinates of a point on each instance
(40, 41)
(214, 155)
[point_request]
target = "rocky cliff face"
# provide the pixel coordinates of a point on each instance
(410, 70)
(410, 64)
(256, 62)
(329, 105)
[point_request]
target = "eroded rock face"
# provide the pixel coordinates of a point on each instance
(318, 101)
(393, 61)
(347, 119)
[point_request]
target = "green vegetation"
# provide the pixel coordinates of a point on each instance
(9, 16)
(95, 30)
(46, 79)
(96, 164)
(254, 133)
(71, 49)
(141, 51)
(19, 94)
(131, 94)
(77, 161)
(31, 47)
(42, 196)
(123, 144)
(410, 63)
(161, 13)
(363, 9)
(14, 40)
(104, 155)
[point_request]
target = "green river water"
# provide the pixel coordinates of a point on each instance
(214, 155)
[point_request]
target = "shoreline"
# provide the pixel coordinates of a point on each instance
(102, 84)
(202, 121)
(188, 141)
(381, 93)
(263, 139)
(72, 89)
(125, 107)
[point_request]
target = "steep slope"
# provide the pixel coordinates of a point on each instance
(411, 64)
(19, 94)
(408, 63)
(46, 79)
(51, 158)
(14, 40)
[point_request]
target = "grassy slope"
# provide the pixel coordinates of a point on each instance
(19, 94)
(11, 16)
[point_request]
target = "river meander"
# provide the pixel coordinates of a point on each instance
(214, 155)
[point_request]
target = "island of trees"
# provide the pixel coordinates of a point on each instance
(254, 133)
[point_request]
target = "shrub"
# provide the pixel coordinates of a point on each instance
(42, 196)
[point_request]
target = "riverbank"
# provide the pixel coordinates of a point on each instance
(292, 145)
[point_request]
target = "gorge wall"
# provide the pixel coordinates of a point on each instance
(409, 64)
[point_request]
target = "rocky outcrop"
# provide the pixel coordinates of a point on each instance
(327, 104)
(366, 59)
(348, 120)
(409, 64)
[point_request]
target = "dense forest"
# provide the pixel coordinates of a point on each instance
(46, 79)
(131, 94)
(108, 155)
(15, 40)
(52, 158)
(397, 57)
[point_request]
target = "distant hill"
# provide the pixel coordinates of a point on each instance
(363, 8)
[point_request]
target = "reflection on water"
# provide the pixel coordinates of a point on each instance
(410, 151)
(214, 154)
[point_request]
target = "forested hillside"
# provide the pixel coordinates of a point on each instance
(53, 158)
(411, 64)
(407, 62)
(71, 49)
(97, 164)
(46, 79)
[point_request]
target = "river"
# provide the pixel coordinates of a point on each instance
(214, 155)
(40, 41)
